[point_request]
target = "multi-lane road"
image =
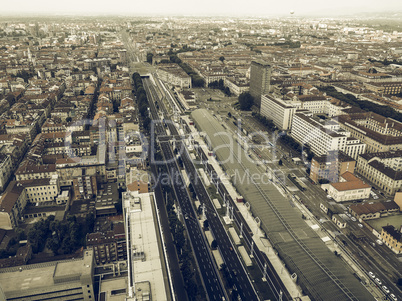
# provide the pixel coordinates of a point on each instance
(209, 275)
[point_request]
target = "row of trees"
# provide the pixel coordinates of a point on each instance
(150, 57)
(288, 140)
(142, 100)
(268, 123)
(363, 104)
(386, 62)
(289, 44)
(61, 237)
(219, 84)
(196, 80)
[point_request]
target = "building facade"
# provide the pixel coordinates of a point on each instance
(392, 238)
(329, 167)
(260, 80)
(380, 134)
(279, 111)
(383, 169)
(349, 188)
(12, 205)
(41, 190)
(6, 168)
(321, 138)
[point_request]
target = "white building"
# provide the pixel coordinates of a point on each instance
(279, 111)
(349, 188)
(354, 147)
(144, 259)
(174, 75)
(384, 169)
(321, 137)
(41, 190)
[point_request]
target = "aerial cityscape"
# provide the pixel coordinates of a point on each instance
(220, 151)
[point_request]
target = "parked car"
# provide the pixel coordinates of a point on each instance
(392, 296)
(385, 289)
(353, 219)
(371, 274)
(379, 242)
(360, 225)
(378, 281)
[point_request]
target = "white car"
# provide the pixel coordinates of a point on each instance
(360, 225)
(379, 242)
(392, 296)
(385, 289)
(353, 219)
(378, 281)
(371, 274)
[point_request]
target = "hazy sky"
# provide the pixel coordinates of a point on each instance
(199, 7)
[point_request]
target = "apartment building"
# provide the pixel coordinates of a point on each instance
(30, 171)
(316, 104)
(279, 111)
(41, 190)
(349, 188)
(260, 80)
(354, 147)
(329, 167)
(174, 75)
(392, 238)
(392, 88)
(6, 168)
(237, 85)
(383, 169)
(380, 134)
(321, 137)
(12, 205)
(110, 246)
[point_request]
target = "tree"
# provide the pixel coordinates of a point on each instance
(147, 123)
(149, 57)
(214, 244)
(119, 206)
(246, 101)
(222, 58)
(235, 295)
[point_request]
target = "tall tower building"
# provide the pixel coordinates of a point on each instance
(260, 80)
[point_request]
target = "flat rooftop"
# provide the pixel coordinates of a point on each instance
(145, 249)
(40, 278)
